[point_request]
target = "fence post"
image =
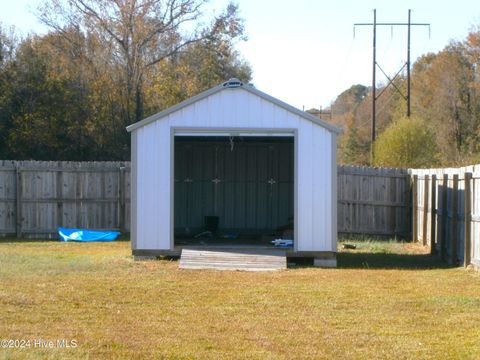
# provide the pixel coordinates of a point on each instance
(468, 219)
(443, 228)
(18, 201)
(433, 213)
(453, 243)
(425, 210)
(415, 209)
(121, 198)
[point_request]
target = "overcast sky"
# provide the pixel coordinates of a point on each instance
(304, 52)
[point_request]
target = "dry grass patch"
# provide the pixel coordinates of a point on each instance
(386, 300)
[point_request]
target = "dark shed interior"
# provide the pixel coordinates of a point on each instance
(233, 190)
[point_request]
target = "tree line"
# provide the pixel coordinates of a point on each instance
(70, 93)
(444, 129)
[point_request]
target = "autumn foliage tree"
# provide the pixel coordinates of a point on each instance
(68, 94)
(139, 34)
(442, 84)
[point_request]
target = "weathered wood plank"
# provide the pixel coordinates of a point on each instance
(467, 222)
(233, 259)
(444, 218)
(408, 208)
(454, 227)
(18, 207)
(415, 208)
(121, 198)
(433, 213)
(425, 210)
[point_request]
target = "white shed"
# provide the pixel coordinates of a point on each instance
(236, 167)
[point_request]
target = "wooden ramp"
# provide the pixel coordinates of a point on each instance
(233, 259)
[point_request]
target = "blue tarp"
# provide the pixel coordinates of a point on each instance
(86, 235)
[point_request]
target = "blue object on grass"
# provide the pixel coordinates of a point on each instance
(86, 235)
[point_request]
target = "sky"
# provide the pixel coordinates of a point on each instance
(305, 52)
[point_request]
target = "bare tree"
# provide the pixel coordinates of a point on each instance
(8, 43)
(138, 34)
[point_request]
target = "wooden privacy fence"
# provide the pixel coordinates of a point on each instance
(446, 212)
(440, 207)
(373, 201)
(37, 197)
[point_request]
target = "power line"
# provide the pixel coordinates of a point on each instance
(406, 97)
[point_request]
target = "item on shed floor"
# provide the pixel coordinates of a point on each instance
(349, 246)
(68, 234)
(204, 234)
(282, 243)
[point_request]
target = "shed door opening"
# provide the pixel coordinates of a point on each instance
(233, 190)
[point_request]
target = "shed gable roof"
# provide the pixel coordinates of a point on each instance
(234, 84)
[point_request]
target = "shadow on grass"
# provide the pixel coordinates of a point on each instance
(365, 260)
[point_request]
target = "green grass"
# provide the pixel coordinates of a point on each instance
(385, 300)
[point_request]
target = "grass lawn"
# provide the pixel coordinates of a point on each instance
(385, 300)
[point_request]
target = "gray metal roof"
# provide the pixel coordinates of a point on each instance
(234, 85)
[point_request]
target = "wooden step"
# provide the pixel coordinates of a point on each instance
(233, 259)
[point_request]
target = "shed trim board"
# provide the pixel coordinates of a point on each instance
(295, 189)
(314, 154)
(133, 199)
(231, 131)
(172, 188)
(334, 190)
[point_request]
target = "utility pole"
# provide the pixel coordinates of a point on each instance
(374, 77)
(408, 62)
(375, 97)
